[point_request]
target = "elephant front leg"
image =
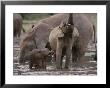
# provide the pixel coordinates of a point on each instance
(68, 54)
(30, 64)
(59, 53)
(44, 64)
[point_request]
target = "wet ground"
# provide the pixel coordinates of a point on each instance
(87, 66)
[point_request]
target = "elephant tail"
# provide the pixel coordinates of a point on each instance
(95, 42)
(94, 32)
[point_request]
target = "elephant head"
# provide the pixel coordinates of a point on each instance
(68, 26)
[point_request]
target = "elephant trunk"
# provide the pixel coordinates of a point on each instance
(70, 19)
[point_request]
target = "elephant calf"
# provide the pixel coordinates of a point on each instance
(37, 58)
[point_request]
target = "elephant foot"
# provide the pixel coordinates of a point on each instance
(75, 60)
(59, 68)
(66, 67)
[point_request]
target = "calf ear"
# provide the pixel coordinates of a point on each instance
(32, 25)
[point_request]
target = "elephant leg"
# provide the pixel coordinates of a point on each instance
(59, 53)
(61, 62)
(14, 32)
(44, 64)
(74, 55)
(68, 54)
(76, 51)
(30, 64)
(81, 57)
(19, 33)
(74, 58)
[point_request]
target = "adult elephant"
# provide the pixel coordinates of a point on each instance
(85, 29)
(17, 24)
(45, 26)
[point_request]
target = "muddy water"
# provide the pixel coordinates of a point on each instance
(87, 66)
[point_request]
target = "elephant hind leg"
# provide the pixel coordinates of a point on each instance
(15, 32)
(75, 55)
(44, 64)
(30, 64)
(74, 58)
(19, 33)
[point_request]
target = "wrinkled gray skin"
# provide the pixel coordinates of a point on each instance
(45, 26)
(61, 40)
(37, 58)
(17, 24)
(27, 44)
(63, 45)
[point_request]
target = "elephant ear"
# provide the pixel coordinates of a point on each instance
(60, 33)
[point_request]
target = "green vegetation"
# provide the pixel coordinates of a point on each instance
(35, 16)
(31, 18)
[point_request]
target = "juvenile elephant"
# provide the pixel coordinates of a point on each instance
(62, 39)
(37, 58)
(17, 24)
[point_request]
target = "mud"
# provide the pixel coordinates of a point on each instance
(87, 66)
